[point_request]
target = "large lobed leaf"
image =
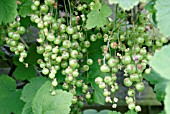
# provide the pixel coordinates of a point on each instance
(167, 99)
(9, 96)
(113, 112)
(30, 90)
(45, 103)
(126, 4)
(158, 82)
(25, 8)
(39, 100)
(8, 11)
(131, 112)
(163, 16)
(98, 17)
(160, 62)
(92, 111)
(95, 53)
(22, 72)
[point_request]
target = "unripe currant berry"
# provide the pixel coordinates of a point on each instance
(45, 71)
(79, 83)
(138, 108)
(107, 79)
(74, 53)
(106, 92)
(66, 44)
(131, 106)
(127, 82)
(74, 100)
(93, 37)
(134, 77)
(85, 87)
(75, 73)
(85, 67)
(89, 61)
(88, 95)
(131, 68)
(69, 70)
(126, 60)
(21, 59)
(54, 82)
(102, 85)
(140, 86)
(70, 30)
(129, 100)
(148, 70)
(50, 37)
(104, 68)
(52, 75)
(98, 80)
(20, 47)
(131, 92)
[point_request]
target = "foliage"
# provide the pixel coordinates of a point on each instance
(10, 96)
(98, 17)
(126, 5)
(25, 8)
(161, 58)
(162, 68)
(78, 52)
(8, 11)
(95, 53)
(131, 112)
(59, 103)
(158, 82)
(167, 101)
(163, 16)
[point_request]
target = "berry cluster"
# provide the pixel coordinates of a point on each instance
(11, 36)
(64, 43)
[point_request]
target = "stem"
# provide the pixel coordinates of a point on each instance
(56, 12)
(70, 10)
(66, 10)
(27, 47)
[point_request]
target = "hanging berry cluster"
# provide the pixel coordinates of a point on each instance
(64, 42)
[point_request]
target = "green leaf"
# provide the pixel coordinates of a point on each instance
(167, 99)
(150, 6)
(8, 11)
(113, 112)
(45, 103)
(25, 21)
(25, 8)
(160, 62)
(92, 111)
(158, 82)
(125, 4)
(159, 88)
(163, 16)
(98, 17)
(27, 108)
(96, 6)
(95, 53)
(33, 56)
(131, 112)
(60, 76)
(153, 77)
(162, 112)
(30, 90)
(23, 73)
(9, 97)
